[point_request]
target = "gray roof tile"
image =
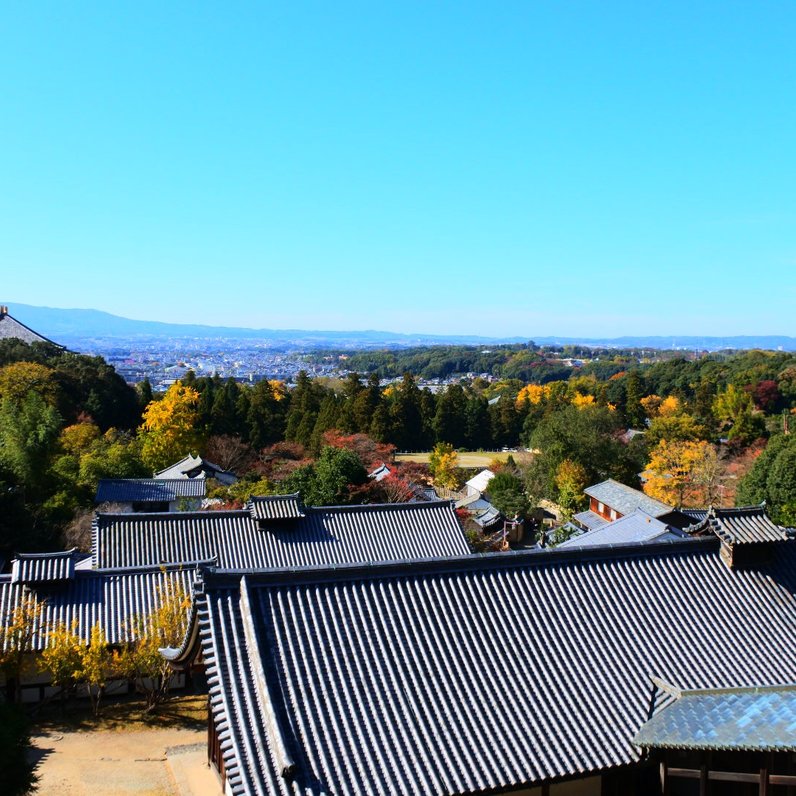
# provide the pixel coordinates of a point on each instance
(635, 527)
(590, 519)
(110, 597)
(445, 677)
(325, 535)
(149, 490)
(744, 525)
(736, 719)
(44, 567)
(625, 499)
(12, 329)
(276, 507)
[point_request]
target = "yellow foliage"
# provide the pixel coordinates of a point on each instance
(16, 636)
(278, 388)
(651, 404)
(444, 465)
(78, 438)
(570, 479)
(670, 407)
(169, 427)
(682, 473)
(581, 401)
(20, 378)
(164, 626)
(533, 393)
(62, 659)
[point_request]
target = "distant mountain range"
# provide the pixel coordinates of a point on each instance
(73, 326)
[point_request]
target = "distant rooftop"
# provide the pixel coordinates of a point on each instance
(481, 481)
(742, 525)
(625, 499)
(636, 527)
(737, 719)
(279, 531)
(195, 467)
(12, 329)
(149, 490)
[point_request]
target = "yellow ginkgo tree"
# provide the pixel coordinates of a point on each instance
(683, 473)
(169, 429)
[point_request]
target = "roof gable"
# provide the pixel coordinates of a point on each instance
(110, 597)
(742, 526)
(277, 507)
(44, 568)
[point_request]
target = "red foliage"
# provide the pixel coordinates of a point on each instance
(369, 452)
(416, 472)
(280, 460)
(226, 505)
(766, 395)
(284, 450)
(390, 489)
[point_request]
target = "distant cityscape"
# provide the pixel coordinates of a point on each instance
(163, 362)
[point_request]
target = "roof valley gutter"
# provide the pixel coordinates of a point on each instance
(276, 737)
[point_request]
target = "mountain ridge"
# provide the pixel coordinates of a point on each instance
(69, 325)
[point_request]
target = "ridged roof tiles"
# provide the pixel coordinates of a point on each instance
(446, 677)
(111, 597)
(277, 507)
(739, 526)
(323, 536)
(625, 499)
(32, 568)
(149, 490)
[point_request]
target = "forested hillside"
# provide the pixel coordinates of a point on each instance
(67, 420)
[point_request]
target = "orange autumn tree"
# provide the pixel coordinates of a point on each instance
(683, 473)
(169, 430)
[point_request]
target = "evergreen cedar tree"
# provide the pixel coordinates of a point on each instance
(67, 420)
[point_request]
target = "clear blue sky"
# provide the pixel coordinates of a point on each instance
(583, 168)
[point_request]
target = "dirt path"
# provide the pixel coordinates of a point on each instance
(146, 762)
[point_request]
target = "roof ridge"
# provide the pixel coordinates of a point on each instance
(743, 689)
(128, 516)
(759, 508)
(472, 562)
(7, 314)
(54, 554)
(286, 496)
(421, 504)
(151, 479)
(145, 569)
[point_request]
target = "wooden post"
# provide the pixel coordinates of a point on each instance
(763, 782)
(664, 779)
(703, 781)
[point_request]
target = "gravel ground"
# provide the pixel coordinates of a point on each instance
(146, 762)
